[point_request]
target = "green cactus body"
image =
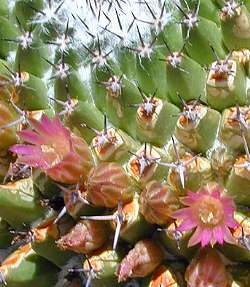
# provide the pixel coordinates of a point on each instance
(188, 79)
(235, 29)
(226, 89)
(30, 58)
(24, 11)
(135, 226)
(104, 263)
(239, 176)
(75, 88)
(203, 36)
(31, 94)
(7, 31)
(199, 134)
(160, 120)
(25, 268)
(229, 132)
(21, 198)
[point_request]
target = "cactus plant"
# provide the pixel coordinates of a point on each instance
(124, 143)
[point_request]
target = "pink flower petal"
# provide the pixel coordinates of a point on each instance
(187, 225)
(31, 160)
(182, 213)
(187, 200)
(228, 237)
(230, 221)
(31, 137)
(216, 194)
(196, 237)
(41, 129)
(218, 234)
(206, 236)
(22, 149)
(194, 195)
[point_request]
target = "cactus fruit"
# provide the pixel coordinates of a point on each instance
(124, 143)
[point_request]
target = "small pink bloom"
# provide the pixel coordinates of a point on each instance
(211, 213)
(55, 150)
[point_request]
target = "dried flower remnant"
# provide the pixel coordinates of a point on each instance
(140, 261)
(107, 184)
(157, 203)
(86, 236)
(55, 150)
(207, 269)
(211, 213)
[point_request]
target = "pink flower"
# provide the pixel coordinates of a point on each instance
(55, 150)
(211, 213)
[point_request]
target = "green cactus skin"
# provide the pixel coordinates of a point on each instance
(239, 176)
(85, 113)
(150, 74)
(45, 246)
(20, 203)
(31, 95)
(75, 88)
(31, 59)
(208, 10)
(24, 12)
(29, 269)
(239, 252)
(105, 262)
(189, 82)
(200, 136)
(174, 244)
(229, 91)
(172, 33)
(135, 226)
(7, 31)
(148, 131)
(235, 30)
(203, 36)
(101, 75)
(4, 10)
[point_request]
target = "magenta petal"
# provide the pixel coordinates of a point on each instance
(44, 127)
(230, 221)
(188, 200)
(31, 160)
(206, 236)
(216, 194)
(182, 213)
(196, 237)
(24, 149)
(31, 137)
(228, 237)
(187, 225)
(218, 234)
(194, 195)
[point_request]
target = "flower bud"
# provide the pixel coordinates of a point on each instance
(140, 261)
(157, 203)
(107, 184)
(86, 236)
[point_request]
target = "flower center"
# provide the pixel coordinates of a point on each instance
(210, 211)
(52, 154)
